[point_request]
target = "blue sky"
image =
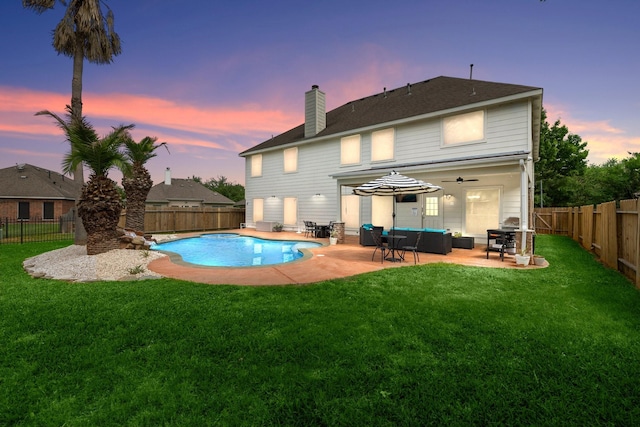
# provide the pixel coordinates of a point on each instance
(215, 78)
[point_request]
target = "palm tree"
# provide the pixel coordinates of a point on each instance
(136, 181)
(100, 204)
(83, 32)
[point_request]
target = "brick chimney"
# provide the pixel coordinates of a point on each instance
(315, 115)
(167, 177)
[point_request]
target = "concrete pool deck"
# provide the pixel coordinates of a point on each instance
(326, 263)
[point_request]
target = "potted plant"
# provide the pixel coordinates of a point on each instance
(277, 226)
(333, 237)
(523, 258)
(539, 260)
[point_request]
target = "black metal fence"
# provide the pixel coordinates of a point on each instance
(36, 230)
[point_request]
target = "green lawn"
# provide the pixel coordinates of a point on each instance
(422, 345)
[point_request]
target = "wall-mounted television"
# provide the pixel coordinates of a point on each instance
(406, 198)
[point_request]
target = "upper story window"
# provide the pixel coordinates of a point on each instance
(256, 165)
(350, 150)
(382, 142)
(463, 128)
(291, 159)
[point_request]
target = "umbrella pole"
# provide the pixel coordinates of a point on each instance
(393, 215)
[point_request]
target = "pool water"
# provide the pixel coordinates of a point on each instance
(234, 250)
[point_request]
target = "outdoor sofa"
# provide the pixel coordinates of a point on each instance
(366, 239)
(432, 241)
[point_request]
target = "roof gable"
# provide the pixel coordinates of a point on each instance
(430, 96)
(32, 182)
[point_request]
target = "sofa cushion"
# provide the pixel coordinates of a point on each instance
(428, 230)
(434, 230)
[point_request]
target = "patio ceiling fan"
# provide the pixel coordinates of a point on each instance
(460, 180)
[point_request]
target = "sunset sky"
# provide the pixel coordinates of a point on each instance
(213, 78)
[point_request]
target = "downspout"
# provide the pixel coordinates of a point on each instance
(524, 204)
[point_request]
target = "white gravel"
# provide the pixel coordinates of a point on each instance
(73, 264)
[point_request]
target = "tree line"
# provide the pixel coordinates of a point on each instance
(564, 178)
(221, 185)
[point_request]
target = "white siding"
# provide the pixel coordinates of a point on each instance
(506, 132)
(316, 192)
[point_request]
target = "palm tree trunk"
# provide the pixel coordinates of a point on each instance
(100, 208)
(136, 188)
(80, 236)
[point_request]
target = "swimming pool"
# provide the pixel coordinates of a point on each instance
(234, 250)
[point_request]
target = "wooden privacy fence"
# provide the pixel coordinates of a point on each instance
(177, 220)
(612, 234)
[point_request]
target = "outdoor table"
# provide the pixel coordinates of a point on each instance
(393, 240)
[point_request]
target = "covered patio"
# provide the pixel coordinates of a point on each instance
(328, 262)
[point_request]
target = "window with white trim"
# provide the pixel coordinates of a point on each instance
(290, 211)
(431, 206)
(350, 150)
(463, 128)
(256, 165)
(382, 145)
(258, 209)
(291, 159)
(482, 210)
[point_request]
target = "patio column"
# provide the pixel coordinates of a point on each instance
(526, 177)
(339, 228)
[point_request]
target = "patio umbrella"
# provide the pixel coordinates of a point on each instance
(392, 184)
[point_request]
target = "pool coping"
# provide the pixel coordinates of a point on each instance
(178, 260)
(326, 263)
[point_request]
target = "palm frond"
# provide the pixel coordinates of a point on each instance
(138, 153)
(38, 5)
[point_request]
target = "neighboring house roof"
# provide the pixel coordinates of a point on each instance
(26, 181)
(419, 99)
(185, 190)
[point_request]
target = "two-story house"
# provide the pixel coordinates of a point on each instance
(478, 140)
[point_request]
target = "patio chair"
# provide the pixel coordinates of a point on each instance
(413, 249)
(309, 229)
(376, 235)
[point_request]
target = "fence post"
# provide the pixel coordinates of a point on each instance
(575, 213)
(638, 244)
(609, 233)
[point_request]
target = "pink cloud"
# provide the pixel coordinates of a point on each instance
(29, 153)
(144, 111)
(604, 141)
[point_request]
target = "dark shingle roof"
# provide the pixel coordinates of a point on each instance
(32, 182)
(429, 96)
(186, 189)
